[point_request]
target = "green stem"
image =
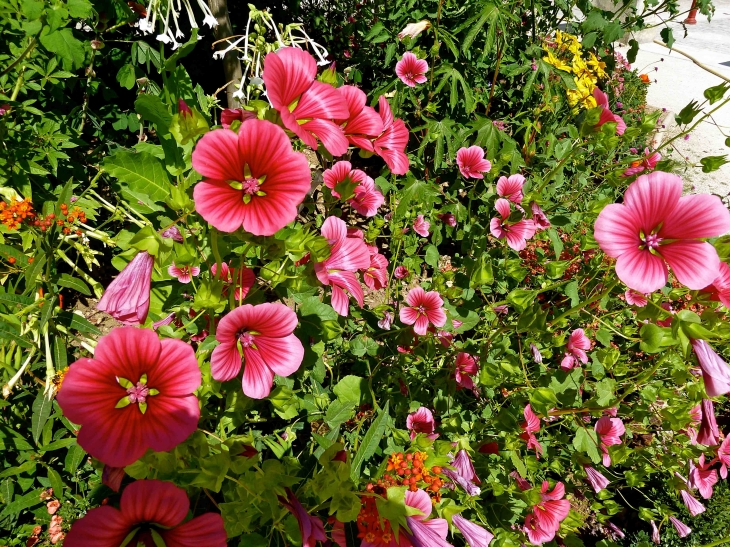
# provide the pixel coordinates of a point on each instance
(726, 539)
(551, 174)
(702, 118)
(18, 85)
(22, 56)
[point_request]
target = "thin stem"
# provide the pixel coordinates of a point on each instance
(22, 56)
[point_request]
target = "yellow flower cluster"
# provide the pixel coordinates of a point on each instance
(567, 54)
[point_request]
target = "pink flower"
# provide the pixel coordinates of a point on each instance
(682, 529)
(702, 477)
(606, 114)
(421, 421)
(448, 219)
(522, 484)
(709, 432)
(253, 180)
(538, 217)
(695, 415)
(597, 481)
(430, 532)
(52, 506)
(242, 278)
(342, 172)
(536, 355)
(387, 320)
(635, 298)
(511, 188)
(720, 288)
(173, 232)
(544, 520)
(654, 224)
(530, 426)
(391, 144)
(367, 199)
(376, 276)
(715, 371)
(411, 70)
(465, 466)
(649, 162)
(184, 274)
(471, 162)
(310, 527)
(578, 343)
(290, 77)
(516, 234)
(610, 431)
(363, 123)
(348, 255)
(112, 477)
(400, 272)
(136, 393)
(127, 298)
(262, 336)
(230, 115)
(423, 308)
(723, 455)
(159, 506)
(421, 226)
(475, 535)
(55, 531)
(466, 367)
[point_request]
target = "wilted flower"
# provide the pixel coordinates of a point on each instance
(709, 432)
(655, 533)
(536, 355)
(173, 232)
(597, 481)
(539, 217)
(702, 477)
(682, 529)
(400, 272)
(475, 535)
(715, 371)
(127, 298)
(610, 431)
(421, 226)
(386, 321)
(414, 29)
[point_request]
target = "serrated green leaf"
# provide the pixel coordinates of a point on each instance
(152, 109)
(64, 44)
(586, 440)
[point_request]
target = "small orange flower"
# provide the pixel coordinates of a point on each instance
(645, 78)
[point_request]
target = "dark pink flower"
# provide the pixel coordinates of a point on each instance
(465, 466)
(471, 162)
(595, 478)
(516, 234)
(648, 163)
(606, 114)
(310, 527)
(423, 308)
(184, 274)
(392, 142)
(682, 529)
(401, 272)
(421, 421)
(720, 288)
(112, 477)
(307, 107)
(715, 371)
(656, 224)
(421, 226)
(466, 367)
(136, 393)
(522, 484)
(723, 455)
(376, 276)
(709, 432)
(342, 172)
(411, 70)
(655, 533)
(183, 109)
(547, 515)
(261, 339)
(241, 278)
(173, 232)
(253, 180)
(530, 426)
(475, 535)
(147, 505)
(702, 477)
(539, 217)
(230, 115)
(511, 188)
(367, 199)
(448, 219)
(127, 298)
(363, 124)
(610, 431)
(635, 298)
(578, 343)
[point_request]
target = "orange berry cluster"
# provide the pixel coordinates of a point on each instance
(410, 470)
(370, 526)
(14, 213)
(71, 218)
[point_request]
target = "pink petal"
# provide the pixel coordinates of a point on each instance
(177, 373)
(154, 501)
(419, 500)
(321, 101)
(437, 317)
(331, 135)
(340, 302)
(169, 421)
(694, 263)
(697, 216)
(219, 204)
(282, 355)
(287, 74)
(642, 271)
(216, 156)
(207, 529)
(653, 198)
(415, 296)
(225, 362)
(420, 327)
(257, 377)
(617, 229)
(511, 187)
(503, 207)
(408, 315)
(101, 527)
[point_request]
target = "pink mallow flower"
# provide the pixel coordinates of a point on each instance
(702, 477)
(363, 123)
(339, 271)
(516, 234)
(693, 505)
(709, 432)
(715, 371)
(606, 115)
(682, 529)
(475, 535)
(421, 421)
(400, 272)
(242, 278)
(655, 533)
(656, 225)
(421, 226)
(253, 180)
(647, 164)
(530, 426)
(720, 288)
(467, 366)
(127, 298)
(184, 274)
(367, 199)
(423, 308)
(424, 531)
(147, 505)
(391, 143)
(448, 219)
(376, 276)
(262, 339)
(136, 393)
(539, 217)
(387, 321)
(610, 431)
(411, 70)
(723, 456)
(342, 174)
(471, 162)
(635, 298)
(230, 115)
(578, 343)
(595, 478)
(544, 520)
(511, 188)
(311, 528)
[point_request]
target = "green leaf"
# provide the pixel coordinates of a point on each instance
(633, 51)
(76, 322)
(716, 93)
(349, 389)
(126, 76)
(74, 283)
(74, 457)
(521, 298)
(713, 163)
(586, 440)
(432, 256)
(338, 413)
(370, 442)
(79, 9)
(66, 46)
(152, 109)
(543, 399)
(140, 172)
(668, 36)
(489, 12)
(605, 391)
(651, 338)
(41, 411)
(183, 51)
(54, 478)
(612, 32)
(10, 332)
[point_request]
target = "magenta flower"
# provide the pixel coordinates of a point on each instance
(682, 529)
(466, 367)
(184, 274)
(720, 288)
(709, 432)
(516, 234)
(597, 481)
(606, 114)
(367, 199)
(363, 123)
(511, 188)
(400, 272)
(539, 217)
(411, 70)
(112, 477)
(656, 224)
(241, 278)
(448, 219)
(702, 477)
(260, 338)
(376, 276)
(342, 172)
(421, 226)
(610, 431)
(347, 256)
(648, 163)
(578, 343)
(173, 232)
(127, 298)
(392, 142)
(423, 308)
(147, 505)
(530, 426)
(307, 107)
(136, 393)
(715, 371)
(252, 180)
(465, 466)
(475, 535)
(230, 115)
(424, 533)
(471, 162)
(544, 520)
(310, 527)
(421, 421)
(635, 298)
(723, 455)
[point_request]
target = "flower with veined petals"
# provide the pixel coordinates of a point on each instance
(723, 455)
(400, 272)
(242, 278)
(649, 162)
(516, 234)
(655, 533)
(148, 508)
(635, 298)
(230, 115)
(682, 529)
(535, 533)
(376, 275)
(414, 29)
(112, 477)
(184, 274)
(262, 337)
(136, 393)
(720, 288)
(606, 114)
(363, 124)
(578, 343)
(466, 367)
(367, 199)
(610, 431)
(411, 70)
(421, 226)
(392, 142)
(544, 520)
(423, 308)
(290, 76)
(127, 298)
(511, 188)
(173, 232)
(421, 421)
(536, 355)
(530, 426)
(539, 217)
(715, 371)
(464, 465)
(702, 477)
(471, 162)
(595, 478)
(448, 219)
(347, 256)
(363, 195)
(656, 224)
(342, 172)
(424, 533)
(475, 535)
(709, 432)
(310, 527)
(252, 180)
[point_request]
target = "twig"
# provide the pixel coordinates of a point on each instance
(695, 61)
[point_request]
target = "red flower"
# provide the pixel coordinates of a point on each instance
(262, 336)
(421, 421)
(136, 393)
(340, 172)
(376, 276)
(425, 307)
(411, 70)
(148, 508)
(363, 123)
(511, 188)
(391, 144)
(230, 115)
(720, 288)
(606, 114)
(253, 179)
(127, 298)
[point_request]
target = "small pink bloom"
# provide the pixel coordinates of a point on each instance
(702, 477)
(342, 172)
(720, 288)
(715, 371)
(536, 355)
(530, 426)
(391, 144)
(709, 432)
(610, 431)
(260, 338)
(363, 124)
(173, 232)
(656, 224)
(400, 272)
(471, 162)
(411, 70)
(465, 466)
(421, 421)
(475, 535)
(55, 531)
(635, 298)
(539, 217)
(597, 481)
(723, 455)
(127, 298)
(230, 115)
(183, 109)
(376, 276)
(655, 533)
(535, 533)
(387, 320)
(578, 343)
(367, 199)
(682, 529)
(516, 234)
(445, 338)
(310, 527)
(548, 514)
(648, 163)
(455, 323)
(522, 484)
(423, 308)
(448, 219)
(52, 506)
(466, 367)
(184, 274)
(502, 309)
(511, 188)
(421, 226)
(606, 114)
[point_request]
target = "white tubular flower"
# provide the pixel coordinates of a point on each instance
(414, 29)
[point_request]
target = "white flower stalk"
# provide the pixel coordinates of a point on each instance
(171, 10)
